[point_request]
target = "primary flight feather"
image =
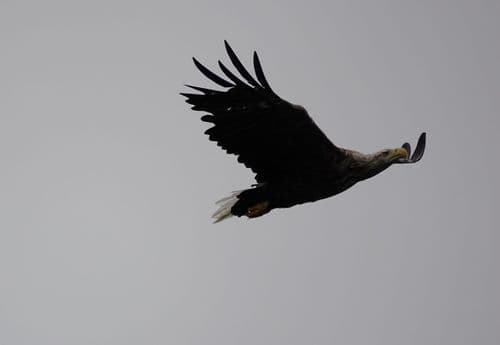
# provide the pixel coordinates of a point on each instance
(294, 161)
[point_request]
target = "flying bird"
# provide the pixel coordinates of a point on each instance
(294, 161)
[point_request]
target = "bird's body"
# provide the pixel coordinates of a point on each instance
(293, 159)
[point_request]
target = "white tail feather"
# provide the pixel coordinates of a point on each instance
(226, 204)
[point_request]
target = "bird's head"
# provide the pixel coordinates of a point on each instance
(402, 154)
(375, 163)
(391, 156)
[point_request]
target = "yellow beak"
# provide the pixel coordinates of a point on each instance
(398, 153)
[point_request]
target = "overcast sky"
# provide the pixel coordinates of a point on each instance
(107, 182)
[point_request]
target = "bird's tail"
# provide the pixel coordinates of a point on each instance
(225, 205)
(252, 202)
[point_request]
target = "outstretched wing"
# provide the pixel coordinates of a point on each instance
(274, 138)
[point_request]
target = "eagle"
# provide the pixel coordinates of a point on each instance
(293, 160)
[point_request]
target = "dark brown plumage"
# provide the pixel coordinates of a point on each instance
(292, 158)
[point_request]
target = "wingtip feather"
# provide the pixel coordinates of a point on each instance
(211, 75)
(239, 66)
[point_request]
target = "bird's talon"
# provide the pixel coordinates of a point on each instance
(258, 209)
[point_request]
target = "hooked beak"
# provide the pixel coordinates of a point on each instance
(398, 154)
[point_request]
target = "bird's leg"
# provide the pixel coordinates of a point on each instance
(258, 209)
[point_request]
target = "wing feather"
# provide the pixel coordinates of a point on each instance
(260, 73)
(230, 75)
(276, 139)
(211, 75)
(239, 66)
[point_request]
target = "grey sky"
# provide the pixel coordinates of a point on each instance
(107, 182)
